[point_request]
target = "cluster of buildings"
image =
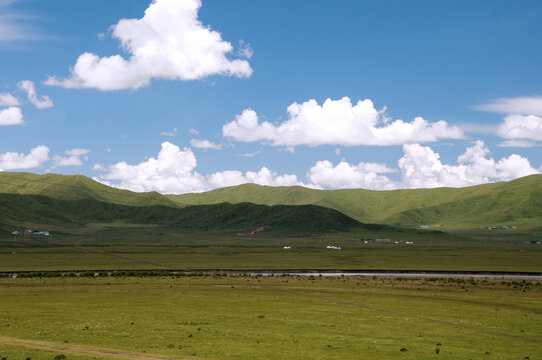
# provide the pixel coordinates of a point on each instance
(504, 227)
(255, 230)
(29, 232)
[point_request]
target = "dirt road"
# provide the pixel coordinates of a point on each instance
(85, 350)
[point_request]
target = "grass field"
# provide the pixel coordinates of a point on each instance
(271, 318)
(121, 247)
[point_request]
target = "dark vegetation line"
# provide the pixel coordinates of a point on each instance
(321, 297)
(278, 272)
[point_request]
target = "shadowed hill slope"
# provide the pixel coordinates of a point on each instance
(38, 209)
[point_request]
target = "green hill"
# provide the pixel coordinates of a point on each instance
(517, 201)
(73, 187)
(39, 209)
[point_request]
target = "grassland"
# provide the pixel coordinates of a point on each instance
(274, 318)
(119, 246)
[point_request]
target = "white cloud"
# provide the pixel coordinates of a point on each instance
(518, 143)
(9, 100)
(19, 161)
(171, 133)
(344, 176)
(244, 50)
(421, 167)
(41, 102)
(205, 144)
(98, 167)
(168, 42)
(11, 116)
(193, 131)
(262, 177)
(173, 172)
(337, 122)
(519, 105)
(73, 158)
(521, 127)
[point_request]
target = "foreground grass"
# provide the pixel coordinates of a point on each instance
(276, 318)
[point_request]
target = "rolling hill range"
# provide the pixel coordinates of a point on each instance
(517, 202)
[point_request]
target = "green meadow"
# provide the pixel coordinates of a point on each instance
(271, 318)
(124, 247)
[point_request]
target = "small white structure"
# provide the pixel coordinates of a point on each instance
(287, 247)
(333, 247)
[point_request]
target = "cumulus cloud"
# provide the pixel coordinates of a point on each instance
(205, 144)
(521, 127)
(263, 177)
(173, 171)
(11, 116)
(421, 167)
(73, 158)
(7, 99)
(41, 102)
(18, 161)
(519, 105)
(347, 176)
(337, 122)
(168, 42)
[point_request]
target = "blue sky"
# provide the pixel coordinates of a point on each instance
(177, 97)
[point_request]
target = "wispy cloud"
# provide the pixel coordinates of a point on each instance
(17, 26)
(518, 105)
(171, 133)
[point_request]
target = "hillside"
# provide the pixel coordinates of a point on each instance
(73, 187)
(489, 204)
(19, 209)
(517, 202)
